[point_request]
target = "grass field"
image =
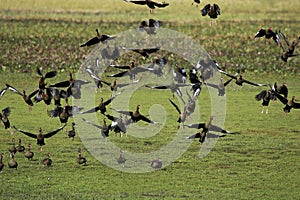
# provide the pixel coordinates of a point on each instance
(260, 161)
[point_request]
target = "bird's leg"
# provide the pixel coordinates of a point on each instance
(11, 131)
(267, 110)
(262, 110)
(210, 22)
(29, 108)
(41, 148)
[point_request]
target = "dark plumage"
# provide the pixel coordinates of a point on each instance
(4, 118)
(265, 96)
(121, 159)
(289, 51)
(118, 125)
(156, 164)
(269, 33)
(20, 147)
(289, 104)
(220, 87)
(81, 160)
(29, 154)
(145, 52)
(72, 132)
(104, 128)
(101, 107)
(99, 38)
(240, 80)
(197, 2)
(12, 163)
(12, 148)
(42, 83)
(98, 82)
(64, 113)
(40, 137)
(47, 161)
(151, 4)
(150, 27)
(1, 162)
(282, 89)
(211, 10)
(132, 70)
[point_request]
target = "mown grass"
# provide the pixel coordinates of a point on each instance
(260, 161)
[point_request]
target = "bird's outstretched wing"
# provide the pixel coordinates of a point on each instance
(121, 74)
(96, 125)
(178, 110)
(205, 9)
(217, 9)
(26, 133)
(260, 96)
(281, 98)
(217, 129)
(47, 135)
(198, 126)
(255, 84)
(129, 113)
(145, 119)
(92, 110)
(50, 74)
(160, 5)
(91, 42)
(142, 2)
(11, 88)
(61, 84)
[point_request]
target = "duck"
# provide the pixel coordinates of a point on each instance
(64, 113)
(26, 98)
(47, 161)
(220, 87)
(1, 162)
(268, 34)
(40, 137)
(98, 82)
(289, 104)
(211, 10)
(20, 147)
(107, 53)
(99, 38)
(81, 160)
(42, 84)
(104, 128)
(282, 89)
(118, 125)
(197, 2)
(12, 148)
(101, 107)
(135, 115)
(12, 163)
(131, 71)
(149, 28)
(265, 96)
(144, 52)
(72, 132)
(182, 114)
(29, 154)
(180, 74)
(4, 118)
(289, 51)
(239, 80)
(206, 127)
(156, 164)
(151, 4)
(115, 85)
(121, 160)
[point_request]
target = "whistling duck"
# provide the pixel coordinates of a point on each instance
(197, 2)
(240, 80)
(64, 113)
(265, 96)
(156, 164)
(115, 85)
(289, 52)
(197, 84)
(220, 87)
(145, 52)
(269, 33)
(4, 118)
(47, 161)
(81, 160)
(72, 133)
(42, 84)
(122, 159)
(180, 74)
(1, 162)
(132, 70)
(20, 147)
(40, 136)
(106, 53)
(182, 115)
(151, 4)
(29, 154)
(135, 115)
(102, 106)
(26, 98)
(282, 89)
(289, 104)
(99, 38)
(97, 80)
(118, 125)
(206, 127)
(104, 128)
(174, 87)
(156, 67)
(191, 104)
(45, 96)
(12, 163)
(211, 10)
(12, 148)
(151, 27)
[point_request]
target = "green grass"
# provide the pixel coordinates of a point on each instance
(260, 161)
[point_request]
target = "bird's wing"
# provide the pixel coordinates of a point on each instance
(38, 71)
(160, 5)
(227, 82)
(198, 126)
(217, 129)
(205, 9)
(26, 133)
(110, 117)
(154, 24)
(281, 98)
(130, 113)
(61, 84)
(142, 2)
(255, 84)
(231, 76)
(159, 87)
(92, 110)
(96, 125)
(121, 74)
(50, 74)
(47, 135)
(197, 135)
(217, 9)
(178, 110)
(11, 88)
(6, 111)
(91, 42)
(109, 100)
(145, 119)
(33, 93)
(121, 66)
(296, 105)
(261, 95)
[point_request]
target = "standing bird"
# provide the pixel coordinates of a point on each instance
(4, 118)
(212, 11)
(47, 161)
(268, 34)
(156, 164)
(40, 137)
(20, 147)
(122, 159)
(265, 96)
(99, 38)
(12, 163)
(72, 132)
(12, 148)
(151, 4)
(29, 154)
(1, 162)
(81, 160)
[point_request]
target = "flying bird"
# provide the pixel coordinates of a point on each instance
(240, 80)
(289, 51)
(268, 34)
(4, 118)
(151, 4)
(99, 38)
(197, 2)
(149, 27)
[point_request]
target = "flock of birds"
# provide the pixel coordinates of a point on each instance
(195, 79)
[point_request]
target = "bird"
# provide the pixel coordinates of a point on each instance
(107, 53)
(131, 71)
(12, 163)
(47, 161)
(150, 27)
(26, 98)
(289, 104)
(99, 38)
(42, 83)
(180, 74)
(12, 148)
(197, 2)
(289, 51)
(20, 148)
(268, 34)
(220, 87)
(29, 154)
(240, 80)
(206, 127)
(4, 118)
(72, 132)
(211, 10)
(156, 164)
(64, 113)
(157, 65)
(1, 162)
(265, 96)
(104, 128)
(151, 4)
(282, 89)
(81, 160)
(135, 115)
(101, 107)
(145, 52)
(118, 125)
(182, 114)
(40, 137)
(98, 82)
(121, 159)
